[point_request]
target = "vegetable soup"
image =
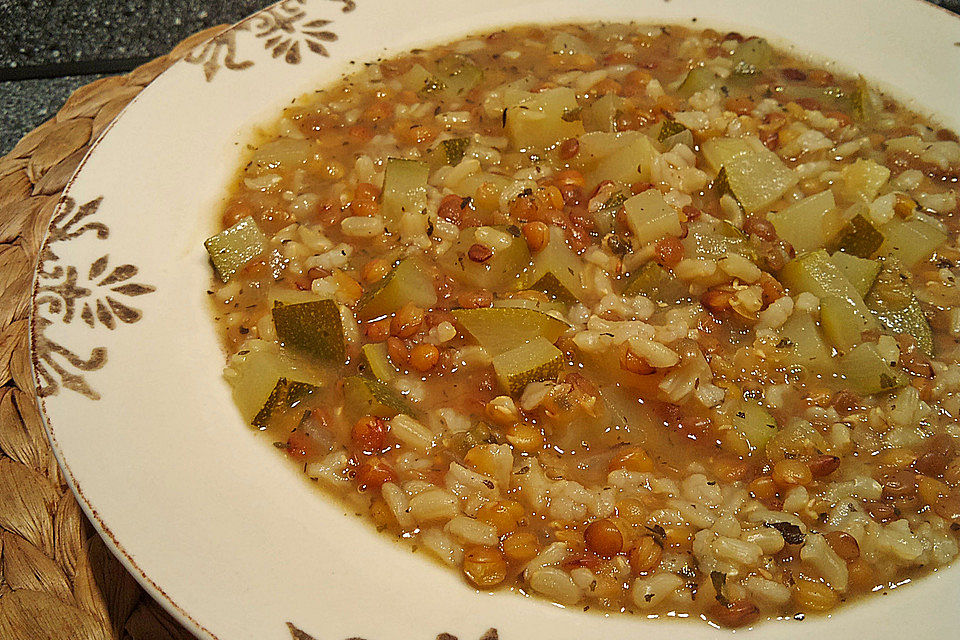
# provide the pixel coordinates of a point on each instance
(637, 319)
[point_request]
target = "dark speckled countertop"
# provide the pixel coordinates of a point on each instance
(60, 45)
(48, 48)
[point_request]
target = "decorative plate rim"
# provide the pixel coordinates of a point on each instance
(156, 591)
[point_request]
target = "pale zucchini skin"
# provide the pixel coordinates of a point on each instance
(897, 308)
(367, 396)
(651, 218)
(314, 329)
(538, 121)
(501, 329)
(532, 361)
(376, 362)
(752, 56)
(861, 272)
(808, 224)
(753, 422)
(408, 282)
(510, 256)
(658, 284)
(860, 237)
(404, 189)
(866, 372)
(285, 394)
(555, 271)
(911, 241)
(815, 273)
(231, 249)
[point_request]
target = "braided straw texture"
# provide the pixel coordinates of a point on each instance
(57, 579)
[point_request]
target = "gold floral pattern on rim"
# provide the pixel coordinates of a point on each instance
(95, 298)
(281, 30)
(300, 634)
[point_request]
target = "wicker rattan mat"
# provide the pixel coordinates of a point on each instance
(57, 579)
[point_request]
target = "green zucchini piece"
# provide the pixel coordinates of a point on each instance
(719, 151)
(539, 121)
(556, 270)
(753, 422)
(897, 308)
(551, 307)
(606, 216)
(421, 82)
(658, 284)
(842, 325)
(311, 328)
(256, 369)
(752, 56)
(632, 162)
(668, 129)
(458, 74)
(551, 285)
(861, 272)
(713, 239)
(808, 224)
(803, 344)
(867, 372)
(286, 395)
(698, 79)
(685, 137)
(231, 249)
(721, 186)
(510, 257)
(530, 362)
(601, 115)
(410, 281)
(376, 362)
(911, 241)
(404, 188)
(366, 396)
(650, 218)
(281, 296)
(624, 157)
(865, 103)
(859, 238)
(449, 151)
(758, 178)
(501, 329)
(862, 180)
(815, 273)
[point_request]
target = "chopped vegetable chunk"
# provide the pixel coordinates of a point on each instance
(404, 188)
(408, 282)
(532, 361)
(500, 330)
(233, 248)
(312, 328)
(541, 120)
(895, 305)
(367, 396)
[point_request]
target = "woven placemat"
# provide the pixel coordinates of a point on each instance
(57, 579)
